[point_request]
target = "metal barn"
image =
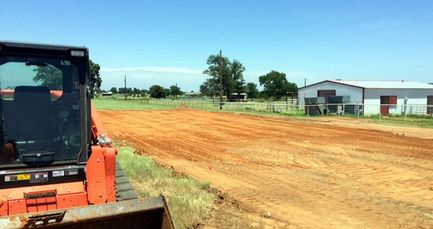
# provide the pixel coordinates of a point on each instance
(372, 97)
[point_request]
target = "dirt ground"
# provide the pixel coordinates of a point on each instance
(291, 173)
(418, 132)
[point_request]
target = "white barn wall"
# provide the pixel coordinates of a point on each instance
(355, 93)
(415, 97)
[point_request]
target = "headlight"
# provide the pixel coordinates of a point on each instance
(78, 53)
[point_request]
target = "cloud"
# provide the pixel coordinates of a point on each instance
(177, 70)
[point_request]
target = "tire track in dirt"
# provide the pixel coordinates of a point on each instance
(302, 174)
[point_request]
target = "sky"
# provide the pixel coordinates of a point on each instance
(167, 42)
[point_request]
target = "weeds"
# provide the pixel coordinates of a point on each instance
(189, 200)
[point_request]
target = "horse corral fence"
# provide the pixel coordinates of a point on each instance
(354, 109)
(359, 109)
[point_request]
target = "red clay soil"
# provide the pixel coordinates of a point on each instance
(417, 132)
(297, 174)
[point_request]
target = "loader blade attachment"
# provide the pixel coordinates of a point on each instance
(147, 213)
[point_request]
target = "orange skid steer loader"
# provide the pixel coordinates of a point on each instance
(57, 165)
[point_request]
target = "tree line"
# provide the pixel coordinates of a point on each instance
(155, 91)
(225, 75)
(228, 77)
(51, 77)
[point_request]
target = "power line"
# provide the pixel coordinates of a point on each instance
(221, 79)
(126, 91)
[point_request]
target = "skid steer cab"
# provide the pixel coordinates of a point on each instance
(57, 165)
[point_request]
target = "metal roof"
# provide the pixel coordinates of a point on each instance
(380, 84)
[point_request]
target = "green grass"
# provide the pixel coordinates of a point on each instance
(130, 104)
(114, 103)
(189, 200)
(410, 120)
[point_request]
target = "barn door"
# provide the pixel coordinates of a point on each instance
(384, 107)
(386, 102)
(430, 104)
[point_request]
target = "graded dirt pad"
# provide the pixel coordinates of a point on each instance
(291, 173)
(417, 132)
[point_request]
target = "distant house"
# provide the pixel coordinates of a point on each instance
(192, 94)
(108, 93)
(377, 97)
(238, 97)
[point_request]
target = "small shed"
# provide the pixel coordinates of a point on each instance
(107, 93)
(376, 97)
(238, 97)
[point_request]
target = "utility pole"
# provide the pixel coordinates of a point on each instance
(126, 91)
(221, 80)
(305, 82)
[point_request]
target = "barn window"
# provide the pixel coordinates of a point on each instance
(393, 100)
(325, 93)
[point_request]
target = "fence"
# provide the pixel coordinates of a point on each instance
(274, 107)
(354, 109)
(359, 109)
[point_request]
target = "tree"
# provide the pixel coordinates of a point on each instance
(275, 85)
(144, 91)
(218, 67)
(231, 74)
(209, 87)
(252, 91)
(292, 88)
(50, 76)
(121, 90)
(113, 90)
(136, 91)
(237, 70)
(95, 79)
(175, 91)
(157, 92)
(167, 91)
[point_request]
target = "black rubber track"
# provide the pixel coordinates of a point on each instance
(124, 190)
